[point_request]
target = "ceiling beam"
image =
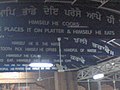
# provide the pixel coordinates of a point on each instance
(108, 67)
(58, 1)
(73, 2)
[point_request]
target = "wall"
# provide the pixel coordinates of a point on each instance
(20, 82)
(106, 85)
(53, 81)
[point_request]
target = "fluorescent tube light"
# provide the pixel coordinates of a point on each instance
(98, 76)
(41, 65)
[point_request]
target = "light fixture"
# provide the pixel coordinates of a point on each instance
(98, 76)
(41, 65)
(113, 63)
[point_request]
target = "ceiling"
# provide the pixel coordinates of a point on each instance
(82, 60)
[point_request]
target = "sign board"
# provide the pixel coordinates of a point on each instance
(30, 31)
(40, 20)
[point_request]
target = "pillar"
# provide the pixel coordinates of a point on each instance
(65, 81)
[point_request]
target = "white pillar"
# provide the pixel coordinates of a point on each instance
(88, 84)
(99, 85)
